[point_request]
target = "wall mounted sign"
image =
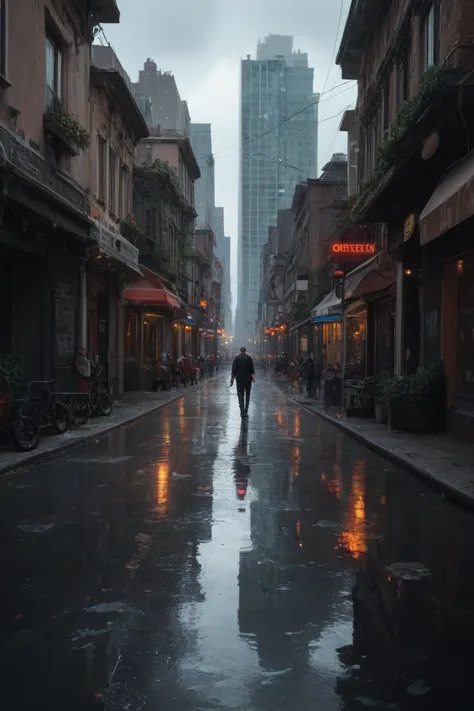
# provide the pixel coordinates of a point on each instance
(348, 248)
(409, 227)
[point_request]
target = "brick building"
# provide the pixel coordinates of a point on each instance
(414, 63)
(317, 206)
(49, 150)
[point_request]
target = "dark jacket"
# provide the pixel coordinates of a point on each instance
(242, 368)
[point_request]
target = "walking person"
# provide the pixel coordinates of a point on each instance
(310, 376)
(243, 372)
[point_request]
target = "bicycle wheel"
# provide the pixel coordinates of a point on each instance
(81, 412)
(106, 404)
(26, 433)
(60, 417)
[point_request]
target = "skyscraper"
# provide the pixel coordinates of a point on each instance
(204, 196)
(277, 152)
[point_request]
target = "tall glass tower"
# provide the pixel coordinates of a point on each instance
(277, 152)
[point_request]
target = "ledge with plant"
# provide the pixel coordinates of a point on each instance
(65, 128)
(130, 230)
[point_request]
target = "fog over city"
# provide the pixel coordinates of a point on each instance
(203, 42)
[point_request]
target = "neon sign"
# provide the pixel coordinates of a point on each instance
(351, 248)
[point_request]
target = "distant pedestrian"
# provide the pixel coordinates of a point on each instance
(243, 372)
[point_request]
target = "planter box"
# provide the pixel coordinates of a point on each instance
(51, 128)
(413, 417)
(381, 412)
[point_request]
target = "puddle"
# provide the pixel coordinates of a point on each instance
(38, 528)
(104, 607)
(327, 524)
(409, 571)
(418, 688)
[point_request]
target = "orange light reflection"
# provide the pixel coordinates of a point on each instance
(297, 424)
(353, 539)
(295, 460)
(162, 486)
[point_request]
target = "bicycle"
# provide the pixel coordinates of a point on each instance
(100, 399)
(23, 430)
(41, 405)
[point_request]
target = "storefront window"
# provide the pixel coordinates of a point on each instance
(384, 324)
(332, 343)
(303, 342)
(465, 327)
(152, 346)
(131, 335)
(356, 345)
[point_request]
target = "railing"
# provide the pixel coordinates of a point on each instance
(30, 163)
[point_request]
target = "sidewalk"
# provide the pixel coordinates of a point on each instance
(131, 407)
(446, 464)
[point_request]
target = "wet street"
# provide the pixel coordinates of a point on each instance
(201, 562)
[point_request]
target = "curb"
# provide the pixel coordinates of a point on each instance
(452, 493)
(38, 457)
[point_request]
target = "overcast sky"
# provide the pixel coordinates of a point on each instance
(202, 42)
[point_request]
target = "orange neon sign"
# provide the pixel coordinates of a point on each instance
(352, 248)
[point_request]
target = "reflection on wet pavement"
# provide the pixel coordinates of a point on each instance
(196, 561)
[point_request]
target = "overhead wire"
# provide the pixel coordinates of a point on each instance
(285, 120)
(335, 46)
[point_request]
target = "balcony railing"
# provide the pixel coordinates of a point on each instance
(29, 165)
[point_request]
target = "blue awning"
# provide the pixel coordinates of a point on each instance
(190, 321)
(332, 318)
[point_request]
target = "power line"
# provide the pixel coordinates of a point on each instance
(328, 118)
(335, 46)
(285, 120)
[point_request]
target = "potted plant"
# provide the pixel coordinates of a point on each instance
(11, 378)
(417, 402)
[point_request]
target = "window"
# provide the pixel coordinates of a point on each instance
(54, 72)
(431, 35)
(402, 79)
(102, 153)
(124, 207)
(3, 37)
(112, 183)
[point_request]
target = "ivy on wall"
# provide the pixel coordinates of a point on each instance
(166, 176)
(409, 113)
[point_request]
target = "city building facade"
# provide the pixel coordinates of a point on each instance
(163, 215)
(115, 127)
(413, 62)
(48, 144)
(276, 152)
(158, 96)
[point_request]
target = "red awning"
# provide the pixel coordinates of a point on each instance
(151, 292)
(149, 296)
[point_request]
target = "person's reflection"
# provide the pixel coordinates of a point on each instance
(241, 466)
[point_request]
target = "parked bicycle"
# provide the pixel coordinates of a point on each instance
(23, 430)
(100, 399)
(41, 405)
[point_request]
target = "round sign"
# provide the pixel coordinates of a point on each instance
(409, 227)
